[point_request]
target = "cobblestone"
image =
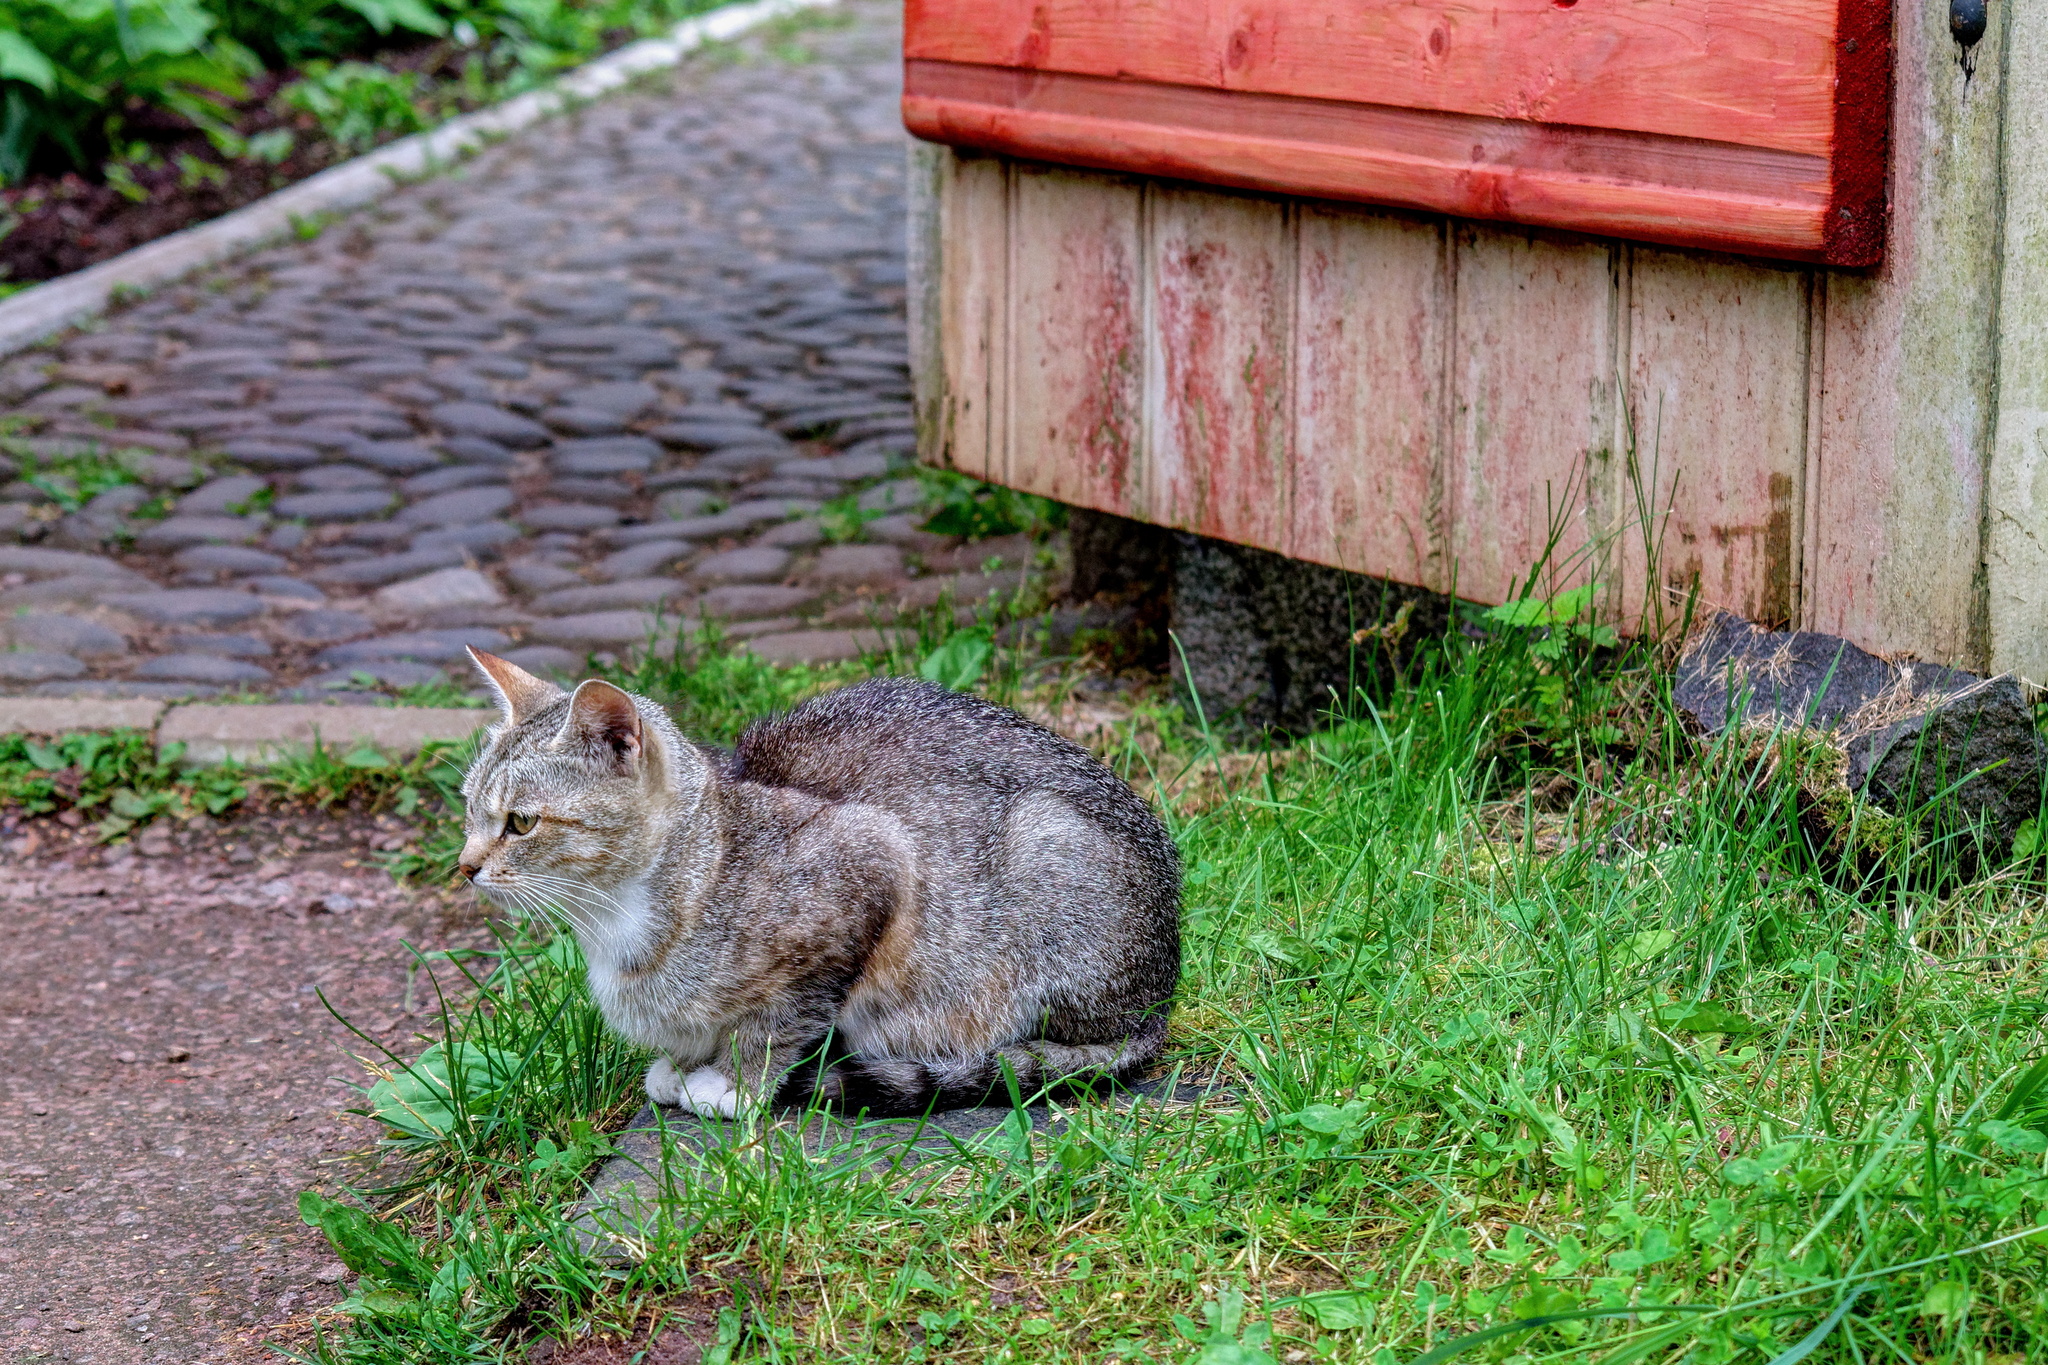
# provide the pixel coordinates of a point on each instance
(611, 370)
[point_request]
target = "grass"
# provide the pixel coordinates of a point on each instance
(1650, 1071)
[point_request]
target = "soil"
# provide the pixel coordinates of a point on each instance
(170, 1080)
(67, 222)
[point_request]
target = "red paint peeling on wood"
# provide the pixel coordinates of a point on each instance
(1078, 425)
(1222, 289)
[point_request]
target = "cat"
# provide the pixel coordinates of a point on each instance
(934, 885)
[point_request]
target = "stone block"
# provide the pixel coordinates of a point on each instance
(1950, 747)
(259, 734)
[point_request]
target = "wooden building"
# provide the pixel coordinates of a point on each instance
(1379, 283)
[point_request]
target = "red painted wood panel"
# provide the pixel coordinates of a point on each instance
(1533, 368)
(1221, 320)
(1747, 125)
(1718, 384)
(1078, 351)
(1369, 395)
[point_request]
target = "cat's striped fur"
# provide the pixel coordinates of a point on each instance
(897, 889)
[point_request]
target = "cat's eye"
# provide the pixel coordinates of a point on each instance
(516, 823)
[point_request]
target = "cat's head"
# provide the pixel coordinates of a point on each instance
(571, 790)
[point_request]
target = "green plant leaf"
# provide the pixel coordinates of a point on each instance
(366, 1245)
(20, 60)
(960, 661)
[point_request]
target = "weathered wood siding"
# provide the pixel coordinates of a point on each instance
(1864, 452)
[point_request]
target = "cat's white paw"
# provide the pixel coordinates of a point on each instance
(664, 1085)
(709, 1094)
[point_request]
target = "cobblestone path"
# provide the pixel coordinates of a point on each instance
(613, 366)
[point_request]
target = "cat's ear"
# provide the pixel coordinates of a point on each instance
(603, 722)
(520, 694)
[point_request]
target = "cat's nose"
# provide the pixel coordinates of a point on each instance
(469, 870)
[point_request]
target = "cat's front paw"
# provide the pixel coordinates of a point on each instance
(709, 1094)
(664, 1083)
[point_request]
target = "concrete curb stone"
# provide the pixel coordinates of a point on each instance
(247, 734)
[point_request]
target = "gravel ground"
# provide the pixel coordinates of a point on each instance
(171, 1081)
(619, 365)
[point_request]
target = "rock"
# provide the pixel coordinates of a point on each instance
(489, 422)
(395, 457)
(538, 575)
(677, 503)
(78, 591)
(711, 434)
(227, 646)
(626, 399)
(568, 516)
(228, 559)
(429, 646)
(370, 573)
(750, 564)
(344, 506)
(434, 591)
(858, 566)
(474, 450)
(602, 629)
(747, 462)
(630, 592)
(547, 661)
(222, 495)
(1911, 733)
(281, 585)
(372, 673)
(905, 530)
(641, 560)
(482, 540)
(121, 688)
(201, 668)
(598, 463)
(583, 421)
(188, 606)
(457, 508)
(64, 635)
(754, 601)
(323, 627)
(815, 646)
(40, 563)
(176, 532)
(794, 535)
(453, 476)
(339, 478)
(260, 453)
(38, 665)
(902, 495)
(1265, 640)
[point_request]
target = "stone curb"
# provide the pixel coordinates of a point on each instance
(247, 734)
(39, 313)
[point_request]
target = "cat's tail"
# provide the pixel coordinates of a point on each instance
(914, 1085)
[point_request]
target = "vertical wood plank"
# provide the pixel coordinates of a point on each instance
(1533, 373)
(1218, 394)
(930, 168)
(1077, 366)
(1370, 320)
(2017, 553)
(1907, 392)
(973, 312)
(1717, 386)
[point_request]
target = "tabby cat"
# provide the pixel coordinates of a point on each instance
(889, 894)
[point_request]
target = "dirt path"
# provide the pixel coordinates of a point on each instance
(169, 1080)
